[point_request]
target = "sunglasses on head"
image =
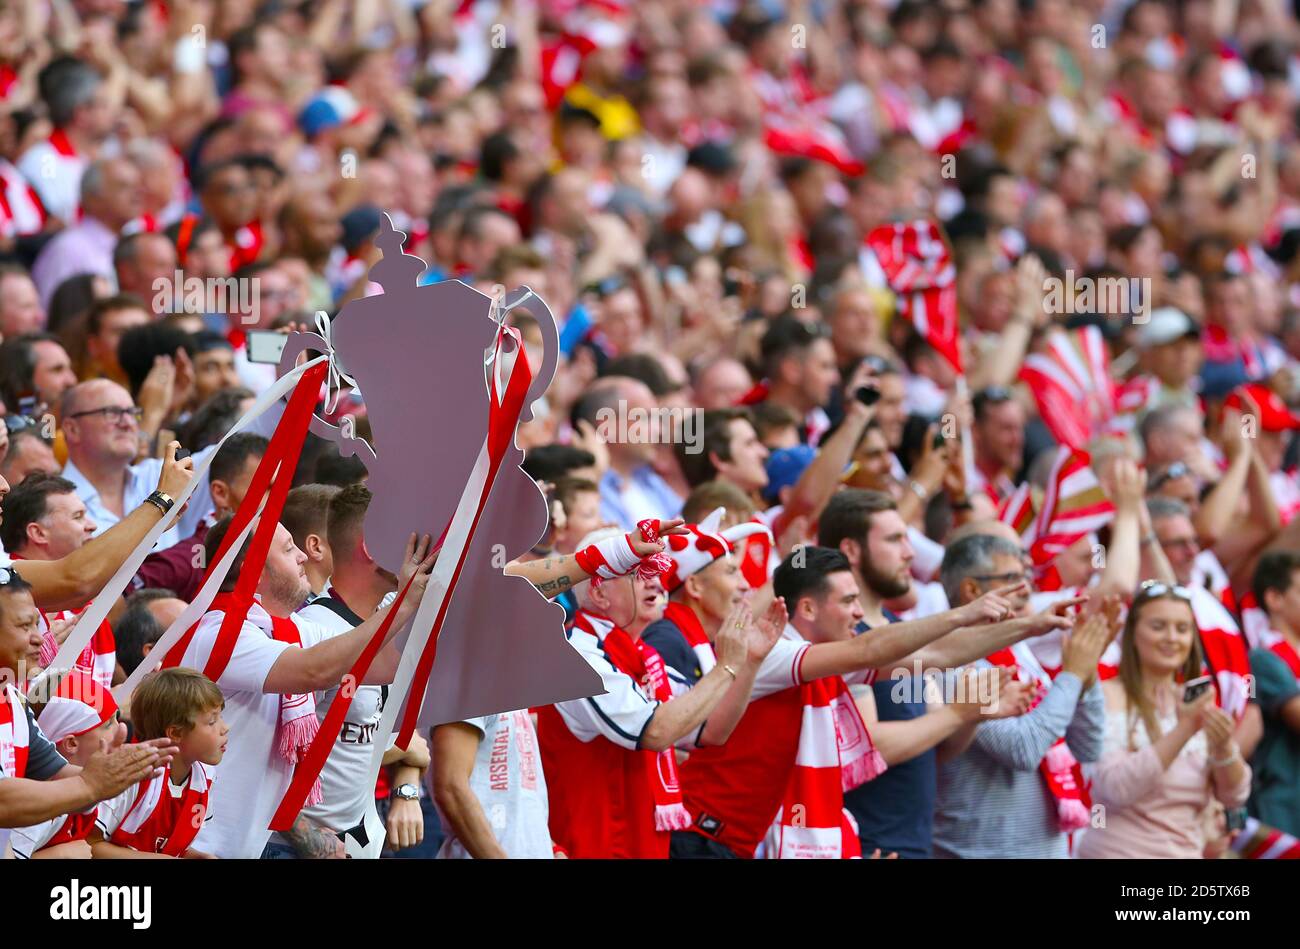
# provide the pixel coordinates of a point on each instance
(17, 423)
(1151, 589)
(1177, 470)
(608, 286)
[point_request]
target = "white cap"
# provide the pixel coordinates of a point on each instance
(1166, 325)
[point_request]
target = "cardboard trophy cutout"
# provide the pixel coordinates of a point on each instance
(424, 358)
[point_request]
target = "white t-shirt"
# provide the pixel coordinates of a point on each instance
(252, 777)
(27, 840)
(507, 780)
(344, 781)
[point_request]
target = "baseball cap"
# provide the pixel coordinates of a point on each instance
(330, 108)
(785, 466)
(1166, 325)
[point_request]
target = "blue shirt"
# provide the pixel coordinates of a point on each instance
(624, 501)
(895, 810)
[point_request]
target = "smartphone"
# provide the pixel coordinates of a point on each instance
(1194, 689)
(1235, 818)
(266, 346)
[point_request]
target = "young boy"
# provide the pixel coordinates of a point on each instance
(81, 718)
(161, 816)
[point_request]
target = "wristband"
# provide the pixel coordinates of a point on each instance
(1220, 762)
(919, 490)
(161, 501)
(730, 671)
(608, 558)
(615, 557)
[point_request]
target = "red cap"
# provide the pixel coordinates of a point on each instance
(1274, 416)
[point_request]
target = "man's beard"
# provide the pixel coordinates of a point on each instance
(884, 585)
(285, 590)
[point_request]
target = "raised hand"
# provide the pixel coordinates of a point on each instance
(1082, 649)
(1128, 485)
(733, 640)
(766, 630)
(993, 607)
(644, 548)
(1055, 616)
(175, 476)
(418, 551)
(416, 567)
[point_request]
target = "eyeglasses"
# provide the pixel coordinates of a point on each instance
(114, 413)
(1178, 469)
(9, 575)
(1003, 578)
(1153, 588)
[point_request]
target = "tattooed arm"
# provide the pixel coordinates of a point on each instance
(552, 575)
(313, 841)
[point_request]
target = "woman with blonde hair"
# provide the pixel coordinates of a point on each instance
(1163, 759)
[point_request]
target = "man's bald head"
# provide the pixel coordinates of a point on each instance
(989, 528)
(79, 397)
(99, 424)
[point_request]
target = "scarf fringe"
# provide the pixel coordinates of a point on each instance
(296, 737)
(1071, 814)
(672, 817)
(860, 770)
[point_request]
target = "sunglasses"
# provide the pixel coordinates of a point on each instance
(1154, 588)
(9, 575)
(1177, 470)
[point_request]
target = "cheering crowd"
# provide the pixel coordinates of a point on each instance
(921, 456)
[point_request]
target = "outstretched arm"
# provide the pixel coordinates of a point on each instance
(614, 557)
(883, 647)
(323, 665)
(72, 581)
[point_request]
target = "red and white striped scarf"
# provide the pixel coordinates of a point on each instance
(298, 723)
(835, 755)
(1258, 841)
(1063, 774)
(13, 734)
(684, 618)
(643, 664)
(919, 267)
(157, 823)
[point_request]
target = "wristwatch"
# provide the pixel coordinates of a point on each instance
(164, 502)
(407, 792)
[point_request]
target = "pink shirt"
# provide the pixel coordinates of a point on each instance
(1150, 811)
